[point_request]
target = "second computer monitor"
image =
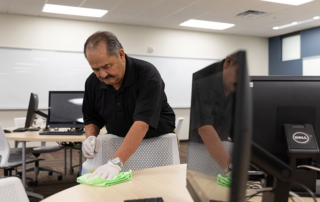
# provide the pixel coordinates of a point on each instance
(65, 109)
(220, 112)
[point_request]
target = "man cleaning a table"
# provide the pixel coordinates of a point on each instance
(124, 94)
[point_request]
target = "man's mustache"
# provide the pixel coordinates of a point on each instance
(107, 77)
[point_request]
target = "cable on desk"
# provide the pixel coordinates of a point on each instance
(306, 188)
(255, 192)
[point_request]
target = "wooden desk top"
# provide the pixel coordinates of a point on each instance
(33, 136)
(168, 182)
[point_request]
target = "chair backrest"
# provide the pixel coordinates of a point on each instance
(20, 122)
(200, 160)
(4, 149)
(153, 152)
(178, 125)
(11, 190)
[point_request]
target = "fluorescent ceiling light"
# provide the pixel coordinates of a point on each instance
(290, 2)
(296, 23)
(206, 24)
(70, 10)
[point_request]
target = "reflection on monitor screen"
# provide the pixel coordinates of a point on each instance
(217, 92)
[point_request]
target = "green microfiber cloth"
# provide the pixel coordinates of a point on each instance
(98, 181)
(224, 181)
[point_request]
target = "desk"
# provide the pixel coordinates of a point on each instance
(35, 137)
(168, 182)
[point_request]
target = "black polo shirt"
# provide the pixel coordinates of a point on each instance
(141, 97)
(209, 105)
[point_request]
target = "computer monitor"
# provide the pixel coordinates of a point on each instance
(279, 100)
(65, 109)
(33, 110)
(220, 111)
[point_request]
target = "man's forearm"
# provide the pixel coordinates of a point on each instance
(214, 146)
(132, 140)
(91, 130)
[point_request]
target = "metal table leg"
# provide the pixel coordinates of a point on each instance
(65, 160)
(71, 169)
(80, 161)
(24, 164)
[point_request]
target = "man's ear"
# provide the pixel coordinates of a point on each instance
(228, 62)
(122, 55)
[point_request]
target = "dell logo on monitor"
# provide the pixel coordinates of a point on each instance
(301, 138)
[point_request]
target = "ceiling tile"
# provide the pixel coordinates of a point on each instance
(102, 4)
(65, 3)
(4, 6)
(25, 8)
(29, 1)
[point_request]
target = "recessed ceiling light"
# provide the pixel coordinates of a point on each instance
(206, 24)
(290, 2)
(296, 23)
(70, 10)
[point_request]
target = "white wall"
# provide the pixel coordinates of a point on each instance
(69, 35)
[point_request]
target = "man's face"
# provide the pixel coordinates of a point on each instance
(108, 68)
(230, 75)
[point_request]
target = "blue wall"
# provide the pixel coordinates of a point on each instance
(310, 46)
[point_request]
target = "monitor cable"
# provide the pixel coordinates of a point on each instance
(255, 192)
(306, 188)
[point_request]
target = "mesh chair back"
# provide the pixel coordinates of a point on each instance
(153, 152)
(11, 190)
(4, 149)
(178, 125)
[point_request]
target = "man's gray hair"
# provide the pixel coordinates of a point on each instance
(111, 41)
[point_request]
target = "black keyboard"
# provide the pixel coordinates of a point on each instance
(146, 200)
(25, 129)
(62, 133)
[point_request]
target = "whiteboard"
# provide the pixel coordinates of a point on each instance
(23, 71)
(311, 66)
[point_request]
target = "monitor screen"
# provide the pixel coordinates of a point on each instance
(65, 109)
(220, 131)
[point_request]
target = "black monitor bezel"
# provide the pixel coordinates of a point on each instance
(62, 124)
(32, 110)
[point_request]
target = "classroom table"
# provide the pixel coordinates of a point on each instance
(33, 136)
(168, 182)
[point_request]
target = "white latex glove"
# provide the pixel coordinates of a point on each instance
(106, 171)
(87, 148)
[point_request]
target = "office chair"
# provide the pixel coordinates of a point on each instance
(19, 122)
(153, 152)
(178, 125)
(10, 161)
(11, 189)
(37, 152)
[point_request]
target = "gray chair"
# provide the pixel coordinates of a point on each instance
(37, 151)
(9, 161)
(11, 189)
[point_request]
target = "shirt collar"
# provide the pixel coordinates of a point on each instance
(129, 76)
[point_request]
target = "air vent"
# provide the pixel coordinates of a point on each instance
(250, 14)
